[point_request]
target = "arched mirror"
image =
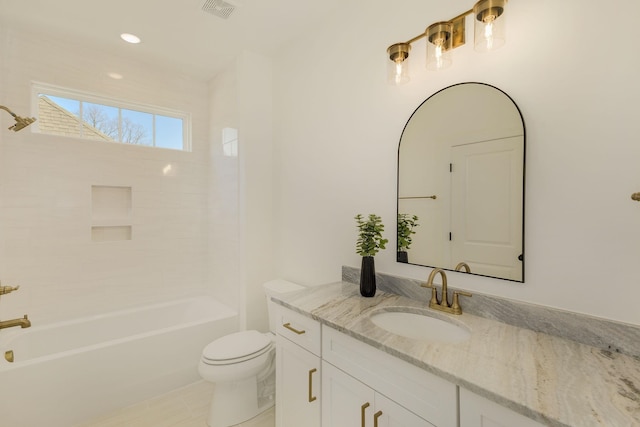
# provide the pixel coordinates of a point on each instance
(461, 183)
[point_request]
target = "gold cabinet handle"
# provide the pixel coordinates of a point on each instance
(311, 396)
(363, 409)
(292, 329)
(375, 418)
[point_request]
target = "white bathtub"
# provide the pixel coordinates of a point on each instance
(68, 372)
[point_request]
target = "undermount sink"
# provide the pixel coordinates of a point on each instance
(419, 326)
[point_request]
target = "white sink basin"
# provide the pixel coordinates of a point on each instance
(419, 326)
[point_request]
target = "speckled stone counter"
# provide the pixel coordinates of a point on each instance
(555, 381)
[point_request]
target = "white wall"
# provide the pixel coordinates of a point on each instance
(45, 189)
(573, 73)
(256, 184)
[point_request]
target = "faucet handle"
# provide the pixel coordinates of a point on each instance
(455, 306)
(434, 292)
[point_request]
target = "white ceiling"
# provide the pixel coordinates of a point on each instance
(177, 33)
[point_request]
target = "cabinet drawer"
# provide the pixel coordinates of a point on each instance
(299, 329)
(430, 397)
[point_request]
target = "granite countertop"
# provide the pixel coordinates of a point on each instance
(555, 381)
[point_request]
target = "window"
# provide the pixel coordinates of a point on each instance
(87, 116)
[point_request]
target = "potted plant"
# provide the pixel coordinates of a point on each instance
(369, 242)
(406, 223)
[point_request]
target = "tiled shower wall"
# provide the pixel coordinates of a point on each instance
(47, 182)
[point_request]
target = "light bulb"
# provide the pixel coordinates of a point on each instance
(398, 76)
(488, 31)
(439, 62)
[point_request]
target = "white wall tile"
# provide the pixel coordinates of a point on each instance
(46, 207)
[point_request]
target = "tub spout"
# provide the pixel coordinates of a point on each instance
(23, 323)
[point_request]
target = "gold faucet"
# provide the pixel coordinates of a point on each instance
(462, 265)
(23, 323)
(443, 303)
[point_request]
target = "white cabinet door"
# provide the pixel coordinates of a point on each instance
(429, 397)
(298, 385)
(346, 402)
(486, 206)
(476, 411)
(349, 403)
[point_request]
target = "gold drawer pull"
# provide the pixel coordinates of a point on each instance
(292, 329)
(311, 396)
(363, 409)
(375, 418)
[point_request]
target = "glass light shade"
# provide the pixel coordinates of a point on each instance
(489, 25)
(398, 63)
(439, 37)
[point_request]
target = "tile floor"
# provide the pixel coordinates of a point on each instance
(184, 407)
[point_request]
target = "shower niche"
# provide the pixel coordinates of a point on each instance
(110, 213)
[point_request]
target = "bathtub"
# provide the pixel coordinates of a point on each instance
(66, 373)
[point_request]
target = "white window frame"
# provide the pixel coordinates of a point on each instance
(62, 92)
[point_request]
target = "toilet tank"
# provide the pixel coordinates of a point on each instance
(273, 288)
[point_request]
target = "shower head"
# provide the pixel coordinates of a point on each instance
(21, 122)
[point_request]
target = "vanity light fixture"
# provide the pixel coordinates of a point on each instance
(443, 37)
(399, 66)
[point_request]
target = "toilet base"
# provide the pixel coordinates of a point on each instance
(238, 401)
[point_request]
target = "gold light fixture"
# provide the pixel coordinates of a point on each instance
(21, 122)
(489, 30)
(398, 67)
(443, 37)
(439, 38)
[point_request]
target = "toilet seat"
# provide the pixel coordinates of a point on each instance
(236, 348)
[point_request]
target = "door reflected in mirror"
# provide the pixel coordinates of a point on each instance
(461, 183)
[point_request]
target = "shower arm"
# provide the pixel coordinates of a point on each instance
(8, 111)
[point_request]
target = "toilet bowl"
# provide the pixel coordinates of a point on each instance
(242, 367)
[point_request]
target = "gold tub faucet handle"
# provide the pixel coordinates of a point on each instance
(8, 289)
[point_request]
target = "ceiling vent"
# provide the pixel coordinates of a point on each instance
(219, 8)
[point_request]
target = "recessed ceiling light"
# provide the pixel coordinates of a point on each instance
(115, 76)
(130, 38)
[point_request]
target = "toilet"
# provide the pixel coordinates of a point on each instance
(242, 367)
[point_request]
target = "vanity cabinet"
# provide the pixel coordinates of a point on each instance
(325, 378)
(349, 402)
(298, 369)
(363, 386)
(478, 411)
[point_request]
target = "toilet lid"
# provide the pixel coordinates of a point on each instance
(236, 345)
